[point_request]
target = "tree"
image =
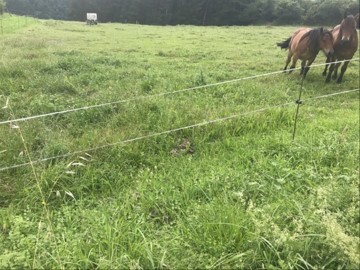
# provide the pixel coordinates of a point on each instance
(288, 12)
(196, 12)
(330, 13)
(267, 10)
(2, 7)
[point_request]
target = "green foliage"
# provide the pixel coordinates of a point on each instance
(329, 12)
(2, 7)
(233, 194)
(195, 12)
(288, 11)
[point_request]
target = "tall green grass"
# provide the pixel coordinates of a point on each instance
(10, 23)
(241, 194)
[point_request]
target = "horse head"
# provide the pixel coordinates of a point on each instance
(326, 41)
(347, 28)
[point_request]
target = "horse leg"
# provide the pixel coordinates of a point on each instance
(303, 64)
(307, 67)
(343, 69)
(293, 65)
(331, 69)
(336, 71)
(328, 59)
(287, 61)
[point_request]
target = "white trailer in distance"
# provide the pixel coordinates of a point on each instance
(91, 18)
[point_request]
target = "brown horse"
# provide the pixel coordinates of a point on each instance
(305, 45)
(345, 46)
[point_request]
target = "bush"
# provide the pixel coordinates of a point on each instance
(288, 12)
(2, 7)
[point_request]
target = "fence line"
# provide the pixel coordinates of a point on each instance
(157, 95)
(331, 95)
(169, 131)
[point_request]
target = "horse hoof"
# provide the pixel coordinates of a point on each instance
(338, 81)
(334, 77)
(327, 80)
(324, 73)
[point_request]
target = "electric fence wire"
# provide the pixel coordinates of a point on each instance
(171, 131)
(155, 95)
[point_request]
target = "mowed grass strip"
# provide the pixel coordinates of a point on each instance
(233, 194)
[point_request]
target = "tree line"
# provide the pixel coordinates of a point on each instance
(194, 12)
(2, 7)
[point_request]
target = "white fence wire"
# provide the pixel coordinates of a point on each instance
(171, 131)
(156, 95)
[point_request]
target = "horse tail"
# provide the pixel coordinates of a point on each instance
(285, 44)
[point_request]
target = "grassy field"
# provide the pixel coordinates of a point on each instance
(232, 194)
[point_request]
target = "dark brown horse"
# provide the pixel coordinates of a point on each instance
(345, 46)
(305, 45)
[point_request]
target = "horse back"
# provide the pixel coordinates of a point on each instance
(298, 43)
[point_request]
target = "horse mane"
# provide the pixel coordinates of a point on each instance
(314, 36)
